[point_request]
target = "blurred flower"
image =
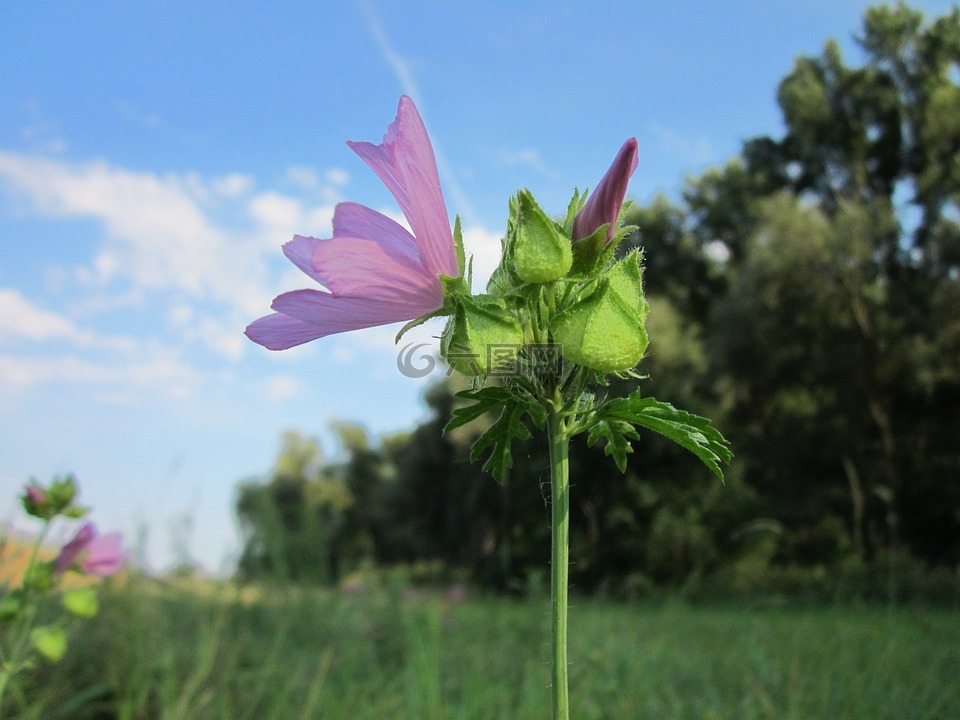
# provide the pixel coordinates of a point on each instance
(91, 553)
(375, 270)
(35, 495)
(36, 501)
(603, 205)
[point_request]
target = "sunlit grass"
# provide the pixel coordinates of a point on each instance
(200, 650)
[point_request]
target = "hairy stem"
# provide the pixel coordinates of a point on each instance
(559, 564)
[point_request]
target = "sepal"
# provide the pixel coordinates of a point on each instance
(479, 324)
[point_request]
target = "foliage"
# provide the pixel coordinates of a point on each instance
(205, 651)
(805, 295)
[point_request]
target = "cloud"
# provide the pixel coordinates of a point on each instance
(130, 112)
(484, 246)
(408, 85)
(155, 370)
(166, 232)
(22, 320)
(278, 388)
(40, 131)
(691, 150)
(527, 158)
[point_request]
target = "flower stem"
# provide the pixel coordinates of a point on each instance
(559, 561)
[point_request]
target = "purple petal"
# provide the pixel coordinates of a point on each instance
(603, 206)
(369, 255)
(406, 164)
(340, 314)
(104, 556)
(72, 550)
(362, 268)
(282, 332)
(300, 252)
(356, 220)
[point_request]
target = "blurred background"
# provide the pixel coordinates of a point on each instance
(797, 199)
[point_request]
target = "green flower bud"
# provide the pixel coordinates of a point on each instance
(605, 331)
(81, 601)
(50, 641)
(480, 325)
(541, 251)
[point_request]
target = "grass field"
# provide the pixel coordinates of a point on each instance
(197, 652)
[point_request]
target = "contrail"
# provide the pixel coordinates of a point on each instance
(408, 85)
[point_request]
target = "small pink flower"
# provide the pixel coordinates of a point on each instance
(603, 205)
(376, 272)
(35, 495)
(91, 553)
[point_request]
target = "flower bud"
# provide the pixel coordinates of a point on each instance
(480, 326)
(541, 250)
(605, 331)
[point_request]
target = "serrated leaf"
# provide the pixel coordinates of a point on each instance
(617, 435)
(499, 436)
(690, 431)
(486, 399)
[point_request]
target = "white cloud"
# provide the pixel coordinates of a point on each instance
(691, 150)
(336, 176)
(162, 233)
(233, 185)
(527, 158)
(156, 370)
(304, 177)
(484, 246)
(136, 115)
(278, 388)
(20, 318)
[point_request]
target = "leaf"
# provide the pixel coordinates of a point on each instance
(501, 434)
(49, 641)
(617, 434)
(508, 426)
(81, 602)
(691, 431)
(486, 398)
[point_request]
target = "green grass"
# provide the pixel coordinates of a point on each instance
(168, 652)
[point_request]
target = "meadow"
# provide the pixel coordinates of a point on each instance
(196, 651)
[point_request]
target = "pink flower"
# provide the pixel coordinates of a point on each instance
(91, 553)
(603, 205)
(35, 495)
(375, 270)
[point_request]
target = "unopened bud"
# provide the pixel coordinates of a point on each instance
(541, 250)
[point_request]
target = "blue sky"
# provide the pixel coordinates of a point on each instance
(155, 155)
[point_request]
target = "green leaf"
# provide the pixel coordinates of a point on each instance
(81, 602)
(691, 431)
(485, 399)
(49, 641)
(499, 437)
(11, 605)
(617, 434)
(510, 425)
(458, 245)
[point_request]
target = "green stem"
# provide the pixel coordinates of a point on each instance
(10, 659)
(559, 561)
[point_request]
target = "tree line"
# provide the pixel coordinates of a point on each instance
(806, 296)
